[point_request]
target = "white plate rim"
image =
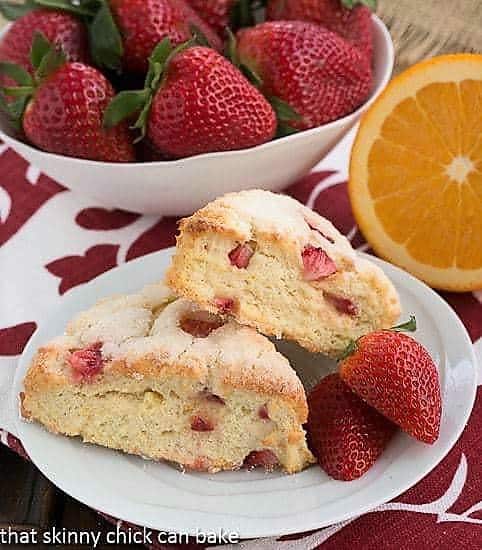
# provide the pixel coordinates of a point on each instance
(208, 522)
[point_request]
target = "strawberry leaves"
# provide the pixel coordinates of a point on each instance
(128, 102)
(104, 36)
(199, 36)
(124, 105)
(350, 4)
(352, 347)
(409, 326)
(285, 114)
(40, 47)
(105, 39)
(13, 10)
(13, 110)
(81, 7)
(46, 59)
(243, 13)
(16, 72)
(231, 53)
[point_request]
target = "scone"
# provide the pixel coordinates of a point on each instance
(164, 380)
(276, 265)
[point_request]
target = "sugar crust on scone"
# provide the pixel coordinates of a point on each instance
(270, 293)
(156, 378)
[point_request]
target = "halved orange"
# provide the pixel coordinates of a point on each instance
(416, 172)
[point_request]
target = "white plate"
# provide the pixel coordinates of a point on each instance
(252, 504)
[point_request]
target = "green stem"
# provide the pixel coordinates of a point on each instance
(409, 326)
(67, 5)
(18, 91)
(351, 348)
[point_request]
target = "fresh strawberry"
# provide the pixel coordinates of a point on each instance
(216, 13)
(87, 362)
(316, 264)
(396, 375)
(196, 102)
(351, 21)
(62, 29)
(123, 33)
(144, 23)
(219, 110)
(65, 116)
(221, 14)
(64, 104)
(240, 255)
(345, 434)
(317, 73)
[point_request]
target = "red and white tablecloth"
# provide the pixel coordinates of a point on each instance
(52, 240)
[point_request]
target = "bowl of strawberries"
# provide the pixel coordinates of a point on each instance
(159, 106)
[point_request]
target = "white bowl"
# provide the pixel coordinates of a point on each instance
(182, 186)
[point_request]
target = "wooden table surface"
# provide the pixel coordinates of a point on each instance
(419, 30)
(28, 500)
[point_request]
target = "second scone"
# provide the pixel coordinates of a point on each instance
(276, 265)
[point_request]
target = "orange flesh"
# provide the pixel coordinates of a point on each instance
(425, 174)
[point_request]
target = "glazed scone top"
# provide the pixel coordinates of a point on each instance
(147, 326)
(247, 213)
(116, 319)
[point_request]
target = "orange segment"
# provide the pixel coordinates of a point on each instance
(471, 100)
(416, 172)
(470, 249)
(427, 141)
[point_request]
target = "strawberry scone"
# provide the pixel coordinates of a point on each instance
(276, 265)
(157, 377)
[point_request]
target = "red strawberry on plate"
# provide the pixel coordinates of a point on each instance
(351, 19)
(345, 434)
(195, 101)
(395, 374)
(63, 107)
(316, 72)
(62, 29)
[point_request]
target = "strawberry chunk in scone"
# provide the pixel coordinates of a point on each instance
(275, 265)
